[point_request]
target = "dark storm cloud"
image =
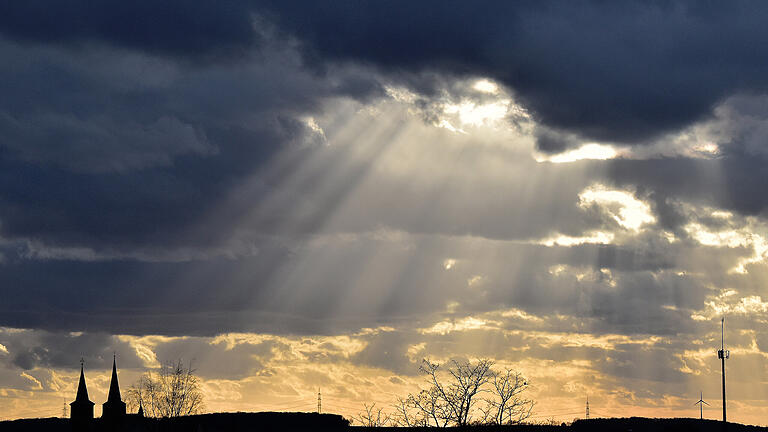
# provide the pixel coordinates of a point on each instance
(610, 71)
(734, 182)
(106, 150)
(550, 141)
(134, 297)
(199, 29)
(619, 72)
(30, 349)
(157, 206)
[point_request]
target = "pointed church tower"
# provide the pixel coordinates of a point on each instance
(114, 407)
(81, 409)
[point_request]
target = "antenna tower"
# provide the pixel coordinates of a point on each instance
(723, 355)
(701, 404)
(64, 410)
(587, 408)
(319, 402)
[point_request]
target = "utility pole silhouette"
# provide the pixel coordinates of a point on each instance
(701, 404)
(319, 402)
(723, 355)
(587, 416)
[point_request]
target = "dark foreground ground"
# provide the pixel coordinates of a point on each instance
(288, 422)
(633, 424)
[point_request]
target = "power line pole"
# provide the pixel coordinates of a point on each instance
(587, 407)
(319, 402)
(723, 355)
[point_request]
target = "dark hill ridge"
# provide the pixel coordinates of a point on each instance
(642, 424)
(632, 424)
(218, 422)
(287, 422)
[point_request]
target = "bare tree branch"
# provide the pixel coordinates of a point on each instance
(454, 397)
(372, 416)
(171, 392)
(452, 401)
(508, 406)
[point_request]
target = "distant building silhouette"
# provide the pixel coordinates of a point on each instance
(114, 408)
(81, 410)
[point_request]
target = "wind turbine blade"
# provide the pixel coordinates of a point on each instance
(705, 403)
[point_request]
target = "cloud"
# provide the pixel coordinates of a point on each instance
(173, 28)
(102, 146)
(624, 74)
(33, 349)
(114, 148)
(582, 68)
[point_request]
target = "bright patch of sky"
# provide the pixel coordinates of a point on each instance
(464, 324)
(315, 128)
(729, 303)
(475, 114)
(594, 237)
(486, 86)
(588, 151)
(731, 238)
(626, 210)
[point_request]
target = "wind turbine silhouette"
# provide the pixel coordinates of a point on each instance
(701, 404)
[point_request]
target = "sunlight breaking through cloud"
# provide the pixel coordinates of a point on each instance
(590, 151)
(486, 86)
(626, 210)
(470, 113)
(326, 209)
(733, 235)
(595, 237)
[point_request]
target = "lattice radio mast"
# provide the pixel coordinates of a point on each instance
(319, 402)
(587, 408)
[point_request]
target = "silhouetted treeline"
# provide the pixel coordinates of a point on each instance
(288, 422)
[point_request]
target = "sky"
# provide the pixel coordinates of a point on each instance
(304, 195)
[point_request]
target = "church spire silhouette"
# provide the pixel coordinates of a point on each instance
(82, 390)
(82, 407)
(114, 387)
(114, 407)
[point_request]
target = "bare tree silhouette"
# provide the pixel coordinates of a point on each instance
(372, 416)
(172, 391)
(460, 393)
(507, 406)
(456, 395)
(408, 414)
